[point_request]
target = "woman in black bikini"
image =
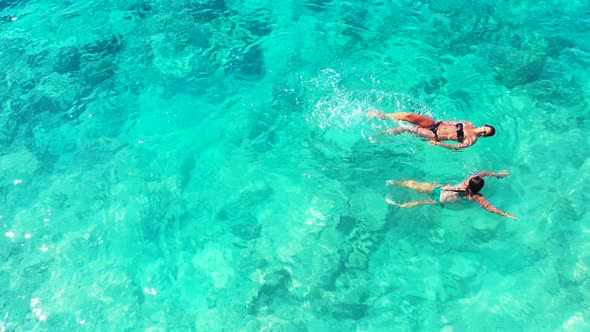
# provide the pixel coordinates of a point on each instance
(462, 132)
(441, 194)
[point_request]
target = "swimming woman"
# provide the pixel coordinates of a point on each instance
(442, 194)
(463, 132)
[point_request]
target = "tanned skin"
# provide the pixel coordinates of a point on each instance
(446, 131)
(451, 194)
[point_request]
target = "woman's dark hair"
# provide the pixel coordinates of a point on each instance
(475, 184)
(491, 130)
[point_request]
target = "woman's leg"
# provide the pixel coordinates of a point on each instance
(417, 119)
(421, 187)
(399, 130)
(412, 204)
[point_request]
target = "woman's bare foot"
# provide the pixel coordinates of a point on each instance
(388, 200)
(376, 114)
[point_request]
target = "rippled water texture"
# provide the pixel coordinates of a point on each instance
(207, 166)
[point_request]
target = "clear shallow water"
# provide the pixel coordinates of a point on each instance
(208, 166)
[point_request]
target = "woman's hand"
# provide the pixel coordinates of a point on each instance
(502, 174)
(510, 216)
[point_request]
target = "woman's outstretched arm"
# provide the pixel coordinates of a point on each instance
(486, 205)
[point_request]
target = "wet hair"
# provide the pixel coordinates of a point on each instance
(475, 184)
(491, 130)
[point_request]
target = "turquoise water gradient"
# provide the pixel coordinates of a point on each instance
(208, 166)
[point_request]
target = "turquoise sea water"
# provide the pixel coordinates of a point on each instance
(208, 166)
